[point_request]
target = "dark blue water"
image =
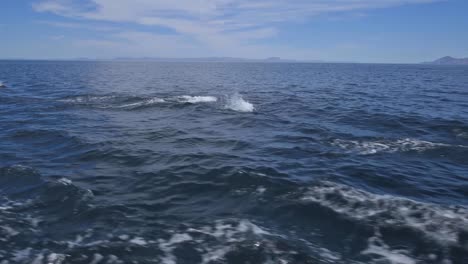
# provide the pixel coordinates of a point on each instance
(128, 162)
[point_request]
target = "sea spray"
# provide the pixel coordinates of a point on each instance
(237, 103)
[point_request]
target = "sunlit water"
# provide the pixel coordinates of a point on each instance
(119, 162)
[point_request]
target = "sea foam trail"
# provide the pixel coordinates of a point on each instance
(89, 99)
(146, 102)
(237, 103)
(197, 99)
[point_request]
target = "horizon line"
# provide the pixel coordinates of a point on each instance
(203, 59)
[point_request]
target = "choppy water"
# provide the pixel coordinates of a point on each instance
(106, 162)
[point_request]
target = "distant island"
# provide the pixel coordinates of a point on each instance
(447, 60)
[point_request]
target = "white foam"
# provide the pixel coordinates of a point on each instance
(88, 99)
(147, 102)
(246, 226)
(237, 103)
(373, 147)
(168, 246)
(460, 133)
(138, 241)
(155, 100)
(38, 259)
(97, 258)
(9, 231)
(124, 237)
(379, 248)
(2, 85)
(197, 99)
(328, 255)
(442, 224)
(55, 258)
(224, 235)
(64, 181)
(217, 254)
(113, 259)
(21, 255)
(260, 190)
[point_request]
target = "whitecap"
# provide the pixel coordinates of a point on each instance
(224, 235)
(55, 258)
(237, 103)
(168, 246)
(197, 99)
(97, 258)
(261, 190)
(385, 253)
(124, 237)
(442, 224)
(2, 85)
(22, 254)
(374, 147)
(9, 231)
(138, 241)
(38, 259)
(65, 181)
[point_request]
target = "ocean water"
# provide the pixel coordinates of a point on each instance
(143, 162)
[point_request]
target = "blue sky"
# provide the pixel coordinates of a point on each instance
(333, 30)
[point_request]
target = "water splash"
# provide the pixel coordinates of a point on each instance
(237, 103)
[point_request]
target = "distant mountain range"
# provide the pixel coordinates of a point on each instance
(211, 59)
(449, 61)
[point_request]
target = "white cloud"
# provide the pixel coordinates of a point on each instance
(215, 24)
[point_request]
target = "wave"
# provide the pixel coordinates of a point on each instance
(229, 241)
(443, 227)
(387, 146)
(2, 85)
(213, 242)
(237, 103)
(27, 202)
(196, 99)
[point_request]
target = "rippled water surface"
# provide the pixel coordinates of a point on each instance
(129, 162)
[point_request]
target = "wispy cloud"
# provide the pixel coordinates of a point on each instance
(216, 24)
(76, 25)
(57, 37)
